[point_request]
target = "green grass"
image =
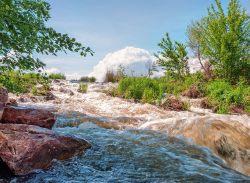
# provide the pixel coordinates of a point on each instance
(17, 82)
(83, 88)
(57, 76)
(223, 95)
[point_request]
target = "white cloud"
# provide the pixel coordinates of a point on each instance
(195, 65)
(133, 59)
(52, 70)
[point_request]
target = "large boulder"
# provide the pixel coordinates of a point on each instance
(3, 99)
(25, 148)
(38, 117)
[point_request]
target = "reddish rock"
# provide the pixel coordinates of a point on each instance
(42, 118)
(25, 148)
(11, 102)
(205, 104)
(238, 109)
(192, 92)
(175, 104)
(3, 95)
(3, 99)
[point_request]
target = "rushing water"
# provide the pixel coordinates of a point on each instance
(132, 156)
(122, 149)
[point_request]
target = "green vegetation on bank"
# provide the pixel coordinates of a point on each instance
(222, 96)
(17, 82)
(88, 79)
(225, 96)
(222, 39)
(57, 76)
(150, 90)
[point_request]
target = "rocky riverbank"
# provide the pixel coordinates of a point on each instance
(27, 144)
(227, 136)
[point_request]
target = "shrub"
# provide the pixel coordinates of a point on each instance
(112, 76)
(92, 79)
(88, 79)
(82, 88)
(17, 82)
(41, 90)
(57, 76)
(144, 89)
(224, 96)
(115, 76)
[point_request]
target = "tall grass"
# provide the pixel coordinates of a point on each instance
(57, 76)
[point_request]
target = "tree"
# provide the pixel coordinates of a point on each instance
(151, 68)
(225, 40)
(23, 32)
(194, 33)
(173, 58)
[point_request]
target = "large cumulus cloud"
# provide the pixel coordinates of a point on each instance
(134, 60)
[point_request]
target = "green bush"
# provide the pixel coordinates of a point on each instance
(83, 88)
(57, 76)
(148, 96)
(224, 95)
(144, 89)
(17, 82)
(88, 79)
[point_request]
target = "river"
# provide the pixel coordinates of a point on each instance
(124, 149)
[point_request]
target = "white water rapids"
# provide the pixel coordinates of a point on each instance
(123, 133)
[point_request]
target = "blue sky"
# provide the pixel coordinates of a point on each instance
(110, 25)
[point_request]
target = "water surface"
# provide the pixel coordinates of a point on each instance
(132, 156)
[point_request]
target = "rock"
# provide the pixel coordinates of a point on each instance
(22, 99)
(205, 104)
(64, 90)
(11, 102)
(238, 110)
(3, 95)
(27, 148)
(50, 96)
(192, 92)
(173, 103)
(3, 99)
(42, 118)
(56, 81)
(28, 98)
